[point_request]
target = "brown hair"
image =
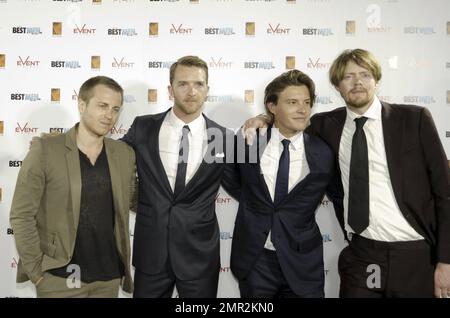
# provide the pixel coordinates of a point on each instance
(361, 57)
(85, 93)
(189, 60)
(279, 83)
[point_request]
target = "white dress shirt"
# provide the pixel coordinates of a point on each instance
(386, 221)
(298, 166)
(169, 145)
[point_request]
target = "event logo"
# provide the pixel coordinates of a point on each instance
(160, 64)
(153, 29)
(83, 30)
(219, 31)
(29, 97)
(350, 27)
(225, 269)
(419, 99)
(325, 202)
(1, 127)
(14, 263)
(326, 238)
(59, 130)
(15, 163)
(220, 199)
(57, 28)
(9, 231)
(323, 100)
(118, 130)
(75, 95)
(179, 29)
(447, 134)
(26, 30)
(122, 32)
(249, 96)
(95, 62)
(373, 21)
(25, 129)
(2, 60)
(27, 62)
(277, 29)
(1, 191)
(448, 97)
(448, 27)
(419, 30)
(317, 64)
(259, 65)
(290, 62)
(152, 95)
(219, 63)
(219, 99)
(226, 236)
(55, 95)
(250, 28)
(318, 32)
(121, 63)
(65, 64)
(96, 1)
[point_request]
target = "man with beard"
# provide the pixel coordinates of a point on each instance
(396, 187)
(179, 160)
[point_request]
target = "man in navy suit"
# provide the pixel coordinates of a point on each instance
(277, 248)
(396, 187)
(179, 158)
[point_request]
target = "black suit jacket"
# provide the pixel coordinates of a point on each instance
(417, 167)
(182, 228)
(295, 233)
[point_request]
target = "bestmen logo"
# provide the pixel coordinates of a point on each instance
(259, 65)
(129, 99)
(118, 130)
(65, 64)
(277, 29)
(419, 99)
(419, 30)
(219, 98)
(180, 29)
(226, 236)
(26, 30)
(83, 30)
(122, 32)
(122, 63)
(60, 130)
(318, 32)
(27, 62)
(15, 163)
(323, 100)
(160, 64)
(28, 97)
(220, 199)
(317, 64)
(219, 63)
(219, 31)
(25, 129)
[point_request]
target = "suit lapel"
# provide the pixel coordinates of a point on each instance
(393, 128)
(74, 170)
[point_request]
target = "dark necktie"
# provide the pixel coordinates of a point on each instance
(358, 189)
(282, 184)
(182, 162)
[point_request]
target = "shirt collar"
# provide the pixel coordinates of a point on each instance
(296, 140)
(373, 112)
(195, 126)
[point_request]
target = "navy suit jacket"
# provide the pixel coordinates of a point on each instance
(295, 233)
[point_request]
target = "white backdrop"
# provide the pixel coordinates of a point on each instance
(48, 48)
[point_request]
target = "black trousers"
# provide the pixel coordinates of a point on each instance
(374, 269)
(266, 280)
(162, 285)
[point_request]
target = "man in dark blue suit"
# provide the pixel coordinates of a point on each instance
(277, 247)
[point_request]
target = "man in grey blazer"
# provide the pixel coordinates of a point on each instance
(71, 203)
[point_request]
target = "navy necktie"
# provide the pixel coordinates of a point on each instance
(282, 183)
(358, 188)
(182, 162)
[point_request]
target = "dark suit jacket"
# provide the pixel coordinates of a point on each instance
(295, 234)
(417, 166)
(182, 228)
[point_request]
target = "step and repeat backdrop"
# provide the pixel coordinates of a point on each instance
(48, 48)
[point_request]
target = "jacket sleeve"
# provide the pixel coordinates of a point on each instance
(25, 205)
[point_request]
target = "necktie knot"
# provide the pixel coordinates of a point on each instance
(360, 122)
(286, 143)
(185, 130)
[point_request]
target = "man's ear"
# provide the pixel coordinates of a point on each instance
(170, 90)
(81, 105)
(272, 107)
